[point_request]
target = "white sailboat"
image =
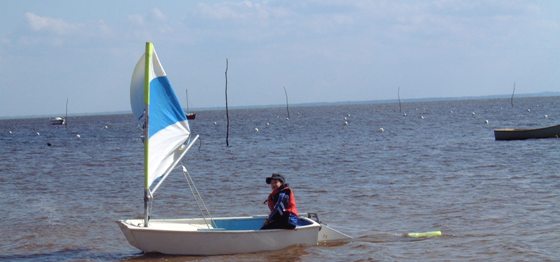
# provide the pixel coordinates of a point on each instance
(167, 138)
(190, 116)
(60, 120)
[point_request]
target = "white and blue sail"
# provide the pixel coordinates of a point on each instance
(158, 111)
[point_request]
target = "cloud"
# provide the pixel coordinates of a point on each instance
(150, 24)
(49, 24)
(136, 19)
(59, 32)
(158, 14)
(104, 28)
(155, 15)
(246, 10)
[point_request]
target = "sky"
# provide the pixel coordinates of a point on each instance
(320, 50)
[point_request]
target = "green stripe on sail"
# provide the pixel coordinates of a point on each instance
(147, 70)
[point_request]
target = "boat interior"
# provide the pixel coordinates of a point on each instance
(201, 224)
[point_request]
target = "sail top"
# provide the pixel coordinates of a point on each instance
(158, 111)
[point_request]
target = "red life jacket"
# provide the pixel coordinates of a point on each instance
(273, 197)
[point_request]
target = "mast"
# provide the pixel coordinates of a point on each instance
(227, 111)
(147, 69)
(187, 96)
(513, 93)
(66, 114)
(287, 108)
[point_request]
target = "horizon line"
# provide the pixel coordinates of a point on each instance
(305, 104)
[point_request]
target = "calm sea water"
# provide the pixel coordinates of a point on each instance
(438, 168)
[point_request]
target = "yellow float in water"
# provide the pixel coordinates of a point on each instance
(424, 234)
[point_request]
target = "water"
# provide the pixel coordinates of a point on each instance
(493, 200)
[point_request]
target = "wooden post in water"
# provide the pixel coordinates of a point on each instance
(399, 96)
(287, 108)
(227, 110)
(513, 93)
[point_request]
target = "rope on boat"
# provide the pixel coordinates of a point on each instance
(198, 199)
(150, 202)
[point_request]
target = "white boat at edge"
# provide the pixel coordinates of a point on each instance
(165, 145)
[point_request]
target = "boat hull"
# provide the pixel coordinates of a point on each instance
(520, 134)
(58, 121)
(230, 236)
